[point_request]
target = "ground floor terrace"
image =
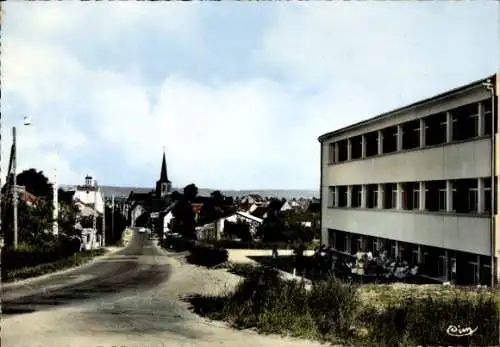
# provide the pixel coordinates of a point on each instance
(458, 267)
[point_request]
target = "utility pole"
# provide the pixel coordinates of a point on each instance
(103, 221)
(14, 185)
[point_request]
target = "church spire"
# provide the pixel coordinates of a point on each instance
(163, 173)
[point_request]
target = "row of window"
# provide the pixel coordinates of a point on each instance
(464, 268)
(463, 123)
(459, 196)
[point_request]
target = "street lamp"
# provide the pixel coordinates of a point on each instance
(491, 87)
(26, 122)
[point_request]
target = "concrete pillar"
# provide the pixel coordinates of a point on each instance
(336, 197)
(363, 146)
(400, 138)
(419, 254)
(449, 196)
(399, 196)
(449, 127)
(479, 265)
(380, 196)
(422, 132)
(349, 196)
(364, 193)
(349, 149)
(421, 196)
(480, 119)
(336, 152)
(480, 195)
(380, 142)
(396, 253)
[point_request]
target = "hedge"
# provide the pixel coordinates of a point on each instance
(207, 255)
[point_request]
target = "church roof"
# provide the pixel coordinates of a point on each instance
(163, 173)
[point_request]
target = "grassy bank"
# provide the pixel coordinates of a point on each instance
(371, 315)
(76, 259)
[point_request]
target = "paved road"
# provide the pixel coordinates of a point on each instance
(128, 298)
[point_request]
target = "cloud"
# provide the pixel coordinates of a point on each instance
(107, 85)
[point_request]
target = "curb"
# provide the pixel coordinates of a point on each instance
(28, 281)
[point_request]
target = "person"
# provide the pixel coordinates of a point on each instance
(275, 252)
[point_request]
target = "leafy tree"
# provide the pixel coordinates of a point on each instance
(35, 182)
(190, 192)
(183, 221)
(176, 196)
(113, 235)
(272, 229)
(217, 198)
(240, 230)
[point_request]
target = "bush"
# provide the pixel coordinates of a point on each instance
(233, 244)
(334, 306)
(76, 259)
(206, 255)
(424, 321)
(178, 244)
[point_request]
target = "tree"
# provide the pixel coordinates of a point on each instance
(35, 182)
(272, 229)
(190, 192)
(184, 221)
(217, 198)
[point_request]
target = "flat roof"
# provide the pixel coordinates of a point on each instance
(434, 98)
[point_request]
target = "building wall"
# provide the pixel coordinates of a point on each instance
(451, 161)
(468, 234)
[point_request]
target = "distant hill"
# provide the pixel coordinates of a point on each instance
(278, 193)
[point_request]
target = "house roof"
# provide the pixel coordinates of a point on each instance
(260, 211)
(249, 216)
(424, 102)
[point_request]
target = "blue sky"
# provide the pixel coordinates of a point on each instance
(238, 92)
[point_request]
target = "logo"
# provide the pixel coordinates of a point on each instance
(458, 331)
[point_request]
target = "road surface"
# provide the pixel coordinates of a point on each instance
(131, 297)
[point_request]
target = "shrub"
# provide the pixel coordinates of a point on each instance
(206, 255)
(424, 321)
(334, 311)
(334, 306)
(178, 244)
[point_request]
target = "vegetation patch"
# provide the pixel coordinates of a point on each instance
(372, 315)
(25, 272)
(206, 255)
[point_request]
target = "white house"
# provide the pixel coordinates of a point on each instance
(286, 207)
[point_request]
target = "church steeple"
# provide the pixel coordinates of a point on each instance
(163, 185)
(163, 173)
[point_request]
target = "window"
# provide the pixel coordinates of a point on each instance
(394, 199)
(442, 199)
(487, 195)
(442, 266)
(473, 199)
(360, 244)
(331, 197)
(342, 192)
(416, 196)
(356, 196)
(347, 244)
(331, 153)
(372, 199)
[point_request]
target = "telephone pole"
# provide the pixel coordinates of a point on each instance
(113, 218)
(14, 185)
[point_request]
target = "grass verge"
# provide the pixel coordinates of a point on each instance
(369, 315)
(76, 259)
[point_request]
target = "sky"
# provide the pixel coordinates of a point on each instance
(236, 92)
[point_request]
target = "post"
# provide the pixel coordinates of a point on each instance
(113, 217)
(14, 185)
(55, 207)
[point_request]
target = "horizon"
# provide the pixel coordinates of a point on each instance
(237, 96)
